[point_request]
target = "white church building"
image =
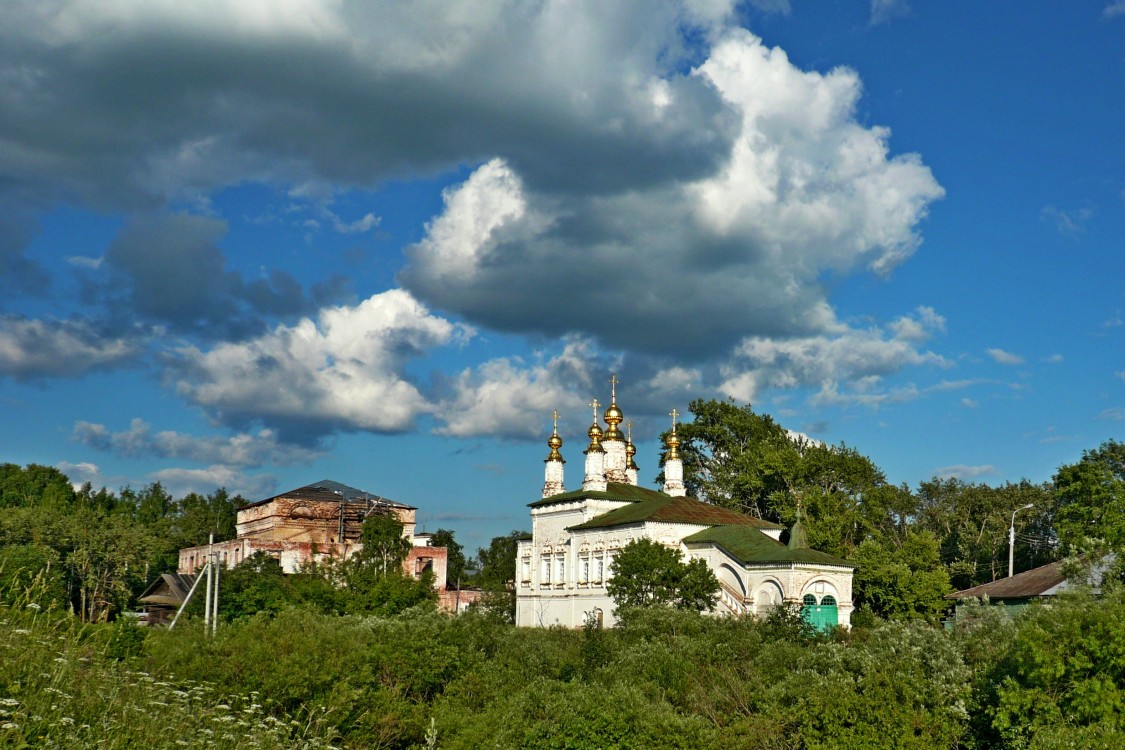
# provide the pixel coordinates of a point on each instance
(561, 572)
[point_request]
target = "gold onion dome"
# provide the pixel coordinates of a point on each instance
(555, 442)
(613, 417)
(673, 444)
(595, 432)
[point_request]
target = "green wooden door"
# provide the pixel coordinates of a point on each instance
(823, 615)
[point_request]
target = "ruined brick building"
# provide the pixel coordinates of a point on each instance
(317, 522)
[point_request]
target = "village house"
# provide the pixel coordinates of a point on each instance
(563, 569)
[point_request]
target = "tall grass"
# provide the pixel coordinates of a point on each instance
(67, 684)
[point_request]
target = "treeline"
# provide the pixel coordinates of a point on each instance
(911, 546)
(93, 552)
(1051, 678)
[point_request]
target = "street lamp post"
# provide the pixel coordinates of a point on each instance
(1012, 540)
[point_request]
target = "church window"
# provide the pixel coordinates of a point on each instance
(809, 600)
(562, 570)
(585, 571)
(525, 569)
(546, 570)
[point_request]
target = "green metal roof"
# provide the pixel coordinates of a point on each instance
(749, 545)
(661, 507)
(628, 493)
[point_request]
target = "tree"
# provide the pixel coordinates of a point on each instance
(455, 565)
(734, 457)
(42, 486)
(971, 521)
(257, 584)
(197, 517)
(384, 546)
(648, 574)
(747, 462)
(498, 561)
(902, 581)
(497, 575)
(1091, 498)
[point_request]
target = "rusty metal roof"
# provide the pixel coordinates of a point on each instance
(327, 490)
(1042, 581)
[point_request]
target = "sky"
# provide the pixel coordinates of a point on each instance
(261, 243)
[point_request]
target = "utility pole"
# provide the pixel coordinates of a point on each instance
(215, 607)
(1012, 540)
(207, 570)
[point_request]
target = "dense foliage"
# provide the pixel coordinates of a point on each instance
(355, 655)
(648, 574)
(98, 549)
(666, 678)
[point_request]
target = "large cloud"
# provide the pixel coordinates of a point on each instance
(692, 267)
(242, 449)
(32, 349)
(133, 100)
(846, 366)
(344, 371)
(169, 269)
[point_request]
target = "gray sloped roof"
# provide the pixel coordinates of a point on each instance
(1046, 580)
(329, 490)
(170, 589)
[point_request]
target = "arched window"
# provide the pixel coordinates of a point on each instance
(828, 601)
(810, 600)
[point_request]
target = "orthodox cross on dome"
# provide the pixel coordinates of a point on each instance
(595, 404)
(673, 415)
(629, 425)
(556, 415)
(613, 381)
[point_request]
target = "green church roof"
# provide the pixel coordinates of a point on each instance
(749, 545)
(628, 493)
(669, 509)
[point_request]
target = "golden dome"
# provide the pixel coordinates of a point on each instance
(673, 444)
(595, 434)
(613, 417)
(555, 442)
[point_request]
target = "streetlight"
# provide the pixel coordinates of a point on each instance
(1012, 540)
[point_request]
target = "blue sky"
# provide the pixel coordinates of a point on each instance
(258, 244)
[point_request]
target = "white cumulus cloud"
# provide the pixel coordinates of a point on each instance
(343, 371)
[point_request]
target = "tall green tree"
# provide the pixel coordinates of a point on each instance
(648, 574)
(35, 485)
(384, 546)
(497, 576)
(745, 461)
(1091, 498)
(455, 563)
(904, 581)
(971, 521)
